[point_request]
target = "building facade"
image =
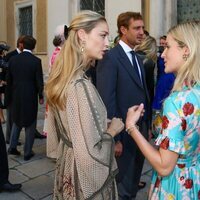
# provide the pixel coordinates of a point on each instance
(40, 17)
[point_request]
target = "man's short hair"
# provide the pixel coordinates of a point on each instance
(20, 40)
(29, 42)
(124, 19)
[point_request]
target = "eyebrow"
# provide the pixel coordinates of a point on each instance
(105, 32)
(136, 27)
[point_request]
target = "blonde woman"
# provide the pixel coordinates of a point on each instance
(177, 161)
(86, 166)
(147, 51)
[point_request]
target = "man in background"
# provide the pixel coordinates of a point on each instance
(9, 122)
(24, 89)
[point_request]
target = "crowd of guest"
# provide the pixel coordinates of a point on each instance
(103, 106)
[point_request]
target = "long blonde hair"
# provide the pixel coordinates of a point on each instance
(70, 59)
(188, 34)
(148, 46)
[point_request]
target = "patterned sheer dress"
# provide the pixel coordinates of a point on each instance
(86, 166)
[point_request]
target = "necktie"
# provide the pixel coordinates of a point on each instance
(135, 64)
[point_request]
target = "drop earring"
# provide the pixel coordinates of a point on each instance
(82, 47)
(185, 57)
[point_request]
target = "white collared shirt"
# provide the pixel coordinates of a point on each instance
(18, 51)
(128, 50)
(27, 50)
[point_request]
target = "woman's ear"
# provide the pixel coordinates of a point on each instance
(81, 34)
(186, 51)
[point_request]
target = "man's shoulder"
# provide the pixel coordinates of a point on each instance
(11, 54)
(30, 56)
(115, 50)
(111, 54)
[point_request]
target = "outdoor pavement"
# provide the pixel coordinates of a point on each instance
(37, 174)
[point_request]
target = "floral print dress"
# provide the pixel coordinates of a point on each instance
(180, 132)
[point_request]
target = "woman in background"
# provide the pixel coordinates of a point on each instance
(147, 51)
(58, 41)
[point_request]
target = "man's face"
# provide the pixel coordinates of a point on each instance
(133, 35)
(163, 42)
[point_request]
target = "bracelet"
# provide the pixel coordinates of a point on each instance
(128, 130)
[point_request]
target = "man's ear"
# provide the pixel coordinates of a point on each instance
(81, 34)
(123, 29)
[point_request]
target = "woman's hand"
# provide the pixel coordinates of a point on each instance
(115, 126)
(133, 115)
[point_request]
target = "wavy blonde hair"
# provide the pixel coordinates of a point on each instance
(149, 47)
(188, 34)
(70, 59)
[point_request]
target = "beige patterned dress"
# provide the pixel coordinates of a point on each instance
(86, 166)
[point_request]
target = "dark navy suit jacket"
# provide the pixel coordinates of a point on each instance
(118, 84)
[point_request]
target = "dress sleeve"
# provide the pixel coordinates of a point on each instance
(173, 128)
(93, 148)
(52, 137)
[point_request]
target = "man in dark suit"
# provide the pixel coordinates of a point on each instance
(25, 85)
(5, 185)
(8, 56)
(121, 84)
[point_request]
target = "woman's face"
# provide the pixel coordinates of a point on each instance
(96, 42)
(173, 55)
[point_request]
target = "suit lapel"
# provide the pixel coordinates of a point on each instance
(125, 62)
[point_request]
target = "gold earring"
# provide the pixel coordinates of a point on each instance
(185, 57)
(82, 47)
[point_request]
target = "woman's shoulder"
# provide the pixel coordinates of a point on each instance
(179, 98)
(79, 82)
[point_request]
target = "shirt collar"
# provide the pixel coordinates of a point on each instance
(27, 50)
(125, 47)
(18, 51)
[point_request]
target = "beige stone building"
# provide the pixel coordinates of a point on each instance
(40, 17)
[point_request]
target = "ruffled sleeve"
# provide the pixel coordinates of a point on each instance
(173, 129)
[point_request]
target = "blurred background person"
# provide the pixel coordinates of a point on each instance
(25, 89)
(5, 185)
(8, 56)
(147, 51)
(164, 84)
(3, 70)
(61, 34)
(58, 41)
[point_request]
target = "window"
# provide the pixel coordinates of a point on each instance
(25, 11)
(25, 21)
(94, 5)
(188, 10)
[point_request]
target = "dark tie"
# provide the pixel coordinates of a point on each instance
(135, 64)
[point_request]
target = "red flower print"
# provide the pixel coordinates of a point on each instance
(183, 124)
(181, 178)
(199, 195)
(165, 143)
(157, 183)
(188, 183)
(188, 109)
(165, 122)
(181, 166)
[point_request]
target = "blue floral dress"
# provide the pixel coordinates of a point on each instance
(180, 132)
